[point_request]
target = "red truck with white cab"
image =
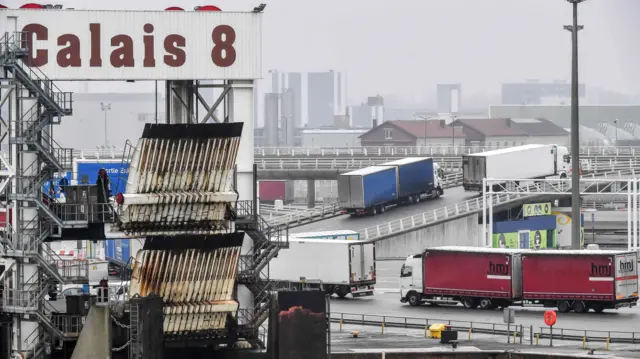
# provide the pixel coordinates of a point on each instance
(490, 278)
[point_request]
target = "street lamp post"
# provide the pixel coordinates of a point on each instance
(575, 137)
(615, 122)
(105, 107)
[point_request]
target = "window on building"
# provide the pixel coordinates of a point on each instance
(506, 144)
(388, 133)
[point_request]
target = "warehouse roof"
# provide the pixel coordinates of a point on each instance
(428, 128)
(513, 126)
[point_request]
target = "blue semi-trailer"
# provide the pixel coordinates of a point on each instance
(418, 178)
(368, 190)
(372, 190)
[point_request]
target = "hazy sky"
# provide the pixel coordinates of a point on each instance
(405, 47)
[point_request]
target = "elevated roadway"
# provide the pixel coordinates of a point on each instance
(430, 151)
(452, 220)
(329, 168)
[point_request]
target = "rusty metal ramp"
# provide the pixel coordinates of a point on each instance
(180, 181)
(195, 276)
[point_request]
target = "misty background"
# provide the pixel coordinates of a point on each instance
(402, 49)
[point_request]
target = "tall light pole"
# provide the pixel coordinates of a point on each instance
(105, 107)
(575, 137)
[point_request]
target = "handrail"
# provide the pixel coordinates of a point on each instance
(521, 331)
(418, 151)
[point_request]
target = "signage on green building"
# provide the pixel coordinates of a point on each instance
(536, 239)
(536, 209)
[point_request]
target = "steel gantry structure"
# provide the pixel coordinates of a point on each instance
(35, 105)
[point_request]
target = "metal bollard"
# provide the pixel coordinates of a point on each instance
(608, 341)
(584, 342)
(382, 325)
(425, 331)
(514, 336)
(537, 338)
(469, 333)
(340, 324)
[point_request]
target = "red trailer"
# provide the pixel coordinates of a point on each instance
(485, 277)
(580, 280)
(272, 190)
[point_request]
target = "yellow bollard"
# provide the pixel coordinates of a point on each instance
(537, 338)
(514, 336)
(382, 328)
(584, 342)
(469, 333)
(340, 324)
(608, 341)
(425, 331)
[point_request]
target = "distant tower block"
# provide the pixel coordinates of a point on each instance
(449, 98)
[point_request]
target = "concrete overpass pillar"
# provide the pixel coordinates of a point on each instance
(311, 193)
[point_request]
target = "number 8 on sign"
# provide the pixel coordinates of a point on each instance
(223, 53)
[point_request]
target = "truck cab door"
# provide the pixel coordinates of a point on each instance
(406, 279)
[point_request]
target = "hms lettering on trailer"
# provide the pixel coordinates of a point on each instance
(123, 51)
(498, 271)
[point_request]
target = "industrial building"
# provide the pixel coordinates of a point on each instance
(449, 97)
(538, 93)
(507, 132)
(590, 115)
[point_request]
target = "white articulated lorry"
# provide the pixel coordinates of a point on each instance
(335, 266)
(521, 162)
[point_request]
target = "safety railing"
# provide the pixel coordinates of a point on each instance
(385, 230)
(520, 333)
(319, 164)
(432, 151)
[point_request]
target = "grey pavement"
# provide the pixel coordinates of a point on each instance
(371, 339)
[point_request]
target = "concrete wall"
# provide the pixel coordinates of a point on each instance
(463, 231)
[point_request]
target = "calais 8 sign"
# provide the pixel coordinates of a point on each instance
(140, 45)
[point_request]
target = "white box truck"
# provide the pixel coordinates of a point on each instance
(521, 162)
(336, 266)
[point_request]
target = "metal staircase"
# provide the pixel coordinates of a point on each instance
(36, 156)
(253, 271)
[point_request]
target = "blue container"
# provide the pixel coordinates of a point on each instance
(368, 187)
(415, 175)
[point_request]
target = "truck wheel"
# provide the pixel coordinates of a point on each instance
(382, 209)
(413, 299)
(418, 199)
(342, 292)
(580, 307)
(564, 306)
(469, 303)
(374, 211)
(486, 303)
(597, 307)
(410, 200)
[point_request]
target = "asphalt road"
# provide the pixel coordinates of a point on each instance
(386, 301)
(451, 196)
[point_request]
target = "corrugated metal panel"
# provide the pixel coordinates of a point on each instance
(196, 27)
(181, 185)
(196, 285)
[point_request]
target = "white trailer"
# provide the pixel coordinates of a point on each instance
(335, 266)
(521, 162)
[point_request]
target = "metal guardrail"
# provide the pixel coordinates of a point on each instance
(524, 333)
(111, 152)
(319, 164)
(319, 213)
(385, 230)
(433, 151)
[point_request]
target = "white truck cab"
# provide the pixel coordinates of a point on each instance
(411, 280)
